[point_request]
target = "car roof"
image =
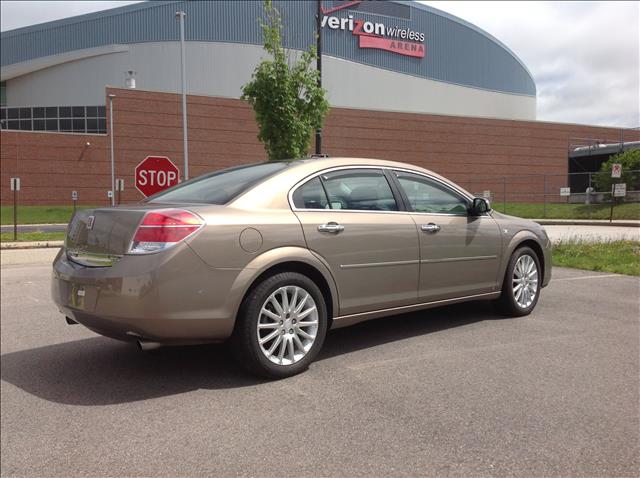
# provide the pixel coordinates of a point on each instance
(319, 164)
(269, 193)
(330, 162)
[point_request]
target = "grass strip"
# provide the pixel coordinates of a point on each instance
(37, 236)
(569, 211)
(38, 214)
(621, 257)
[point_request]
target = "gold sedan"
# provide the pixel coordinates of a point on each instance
(272, 255)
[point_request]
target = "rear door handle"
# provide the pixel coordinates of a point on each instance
(331, 227)
(431, 227)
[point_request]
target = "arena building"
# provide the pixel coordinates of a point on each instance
(405, 82)
(389, 56)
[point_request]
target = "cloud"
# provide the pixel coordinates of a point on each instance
(17, 14)
(584, 56)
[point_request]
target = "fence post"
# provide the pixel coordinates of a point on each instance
(613, 188)
(504, 194)
(15, 187)
(544, 195)
(589, 194)
(74, 199)
(15, 214)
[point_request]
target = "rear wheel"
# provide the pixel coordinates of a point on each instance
(281, 326)
(521, 285)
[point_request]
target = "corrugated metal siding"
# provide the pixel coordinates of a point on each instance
(455, 53)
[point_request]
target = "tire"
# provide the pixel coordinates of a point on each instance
(272, 359)
(510, 303)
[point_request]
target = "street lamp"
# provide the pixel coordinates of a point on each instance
(180, 16)
(113, 163)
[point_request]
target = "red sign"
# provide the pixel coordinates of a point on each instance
(407, 48)
(616, 170)
(373, 34)
(156, 173)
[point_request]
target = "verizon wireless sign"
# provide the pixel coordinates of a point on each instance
(378, 35)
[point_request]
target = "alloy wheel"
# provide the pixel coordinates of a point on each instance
(525, 281)
(287, 325)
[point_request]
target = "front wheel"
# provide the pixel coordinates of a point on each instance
(281, 326)
(521, 286)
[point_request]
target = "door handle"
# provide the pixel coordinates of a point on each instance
(331, 227)
(431, 227)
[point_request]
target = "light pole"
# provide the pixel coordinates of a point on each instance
(113, 163)
(180, 16)
(319, 65)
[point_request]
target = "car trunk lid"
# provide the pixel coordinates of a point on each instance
(99, 237)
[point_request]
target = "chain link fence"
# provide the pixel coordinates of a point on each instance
(560, 196)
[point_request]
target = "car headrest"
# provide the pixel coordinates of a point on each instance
(363, 193)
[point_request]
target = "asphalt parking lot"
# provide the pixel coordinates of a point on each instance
(453, 391)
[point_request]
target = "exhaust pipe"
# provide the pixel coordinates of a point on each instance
(144, 346)
(71, 321)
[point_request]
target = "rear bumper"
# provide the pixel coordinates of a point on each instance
(165, 331)
(168, 297)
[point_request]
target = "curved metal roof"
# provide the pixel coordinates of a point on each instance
(456, 51)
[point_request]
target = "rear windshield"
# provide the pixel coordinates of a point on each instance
(219, 187)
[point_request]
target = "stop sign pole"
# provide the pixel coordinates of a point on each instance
(155, 174)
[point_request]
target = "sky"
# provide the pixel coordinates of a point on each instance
(584, 56)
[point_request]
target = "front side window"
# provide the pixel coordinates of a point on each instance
(219, 187)
(429, 196)
(359, 190)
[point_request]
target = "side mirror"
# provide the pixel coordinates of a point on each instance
(480, 206)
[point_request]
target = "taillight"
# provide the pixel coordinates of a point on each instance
(162, 229)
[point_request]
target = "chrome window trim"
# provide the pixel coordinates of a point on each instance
(351, 211)
(382, 169)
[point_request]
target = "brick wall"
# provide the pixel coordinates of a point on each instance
(222, 133)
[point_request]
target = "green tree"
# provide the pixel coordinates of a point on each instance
(630, 161)
(285, 95)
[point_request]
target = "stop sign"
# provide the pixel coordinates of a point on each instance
(156, 173)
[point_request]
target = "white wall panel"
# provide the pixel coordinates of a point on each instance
(352, 85)
(220, 69)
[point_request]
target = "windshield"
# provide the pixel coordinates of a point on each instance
(219, 187)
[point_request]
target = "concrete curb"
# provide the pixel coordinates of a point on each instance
(65, 224)
(587, 222)
(31, 245)
(35, 228)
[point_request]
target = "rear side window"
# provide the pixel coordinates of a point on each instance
(350, 189)
(219, 187)
(359, 190)
(311, 195)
